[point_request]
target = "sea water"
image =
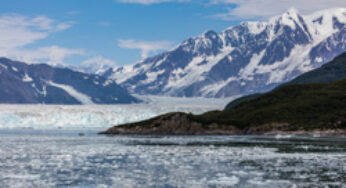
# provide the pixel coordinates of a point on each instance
(34, 158)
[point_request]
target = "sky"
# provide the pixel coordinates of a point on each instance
(122, 32)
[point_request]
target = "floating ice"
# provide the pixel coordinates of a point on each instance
(30, 159)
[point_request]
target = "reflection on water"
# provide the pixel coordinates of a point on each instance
(64, 159)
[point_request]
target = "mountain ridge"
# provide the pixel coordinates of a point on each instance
(248, 58)
(22, 83)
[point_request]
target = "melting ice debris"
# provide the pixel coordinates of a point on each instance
(281, 136)
(239, 161)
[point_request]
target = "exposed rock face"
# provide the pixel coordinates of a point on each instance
(249, 58)
(22, 83)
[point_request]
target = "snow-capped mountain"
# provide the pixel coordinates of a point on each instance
(248, 58)
(95, 68)
(41, 83)
(96, 65)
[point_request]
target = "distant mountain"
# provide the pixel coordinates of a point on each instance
(40, 83)
(96, 65)
(249, 58)
(329, 72)
(96, 68)
(300, 108)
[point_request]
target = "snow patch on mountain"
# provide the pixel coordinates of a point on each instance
(250, 69)
(81, 97)
(14, 69)
(255, 27)
(298, 60)
(3, 66)
(321, 24)
(195, 69)
(213, 88)
(27, 78)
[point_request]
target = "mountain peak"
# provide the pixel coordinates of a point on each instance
(290, 18)
(292, 12)
(210, 34)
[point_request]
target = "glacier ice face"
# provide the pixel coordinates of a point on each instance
(97, 117)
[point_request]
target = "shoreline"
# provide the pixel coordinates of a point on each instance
(185, 124)
(329, 132)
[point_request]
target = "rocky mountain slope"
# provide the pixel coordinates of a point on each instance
(334, 70)
(329, 72)
(249, 58)
(40, 83)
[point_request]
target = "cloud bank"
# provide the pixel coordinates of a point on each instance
(262, 9)
(145, 47)
(18, 31)
(97, 64)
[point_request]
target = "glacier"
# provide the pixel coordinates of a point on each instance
(82, 98)
(99, 117)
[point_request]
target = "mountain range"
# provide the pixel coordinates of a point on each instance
(249, 58)
(311, 103)
(23, 83)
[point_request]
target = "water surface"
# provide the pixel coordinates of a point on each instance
(31, 158)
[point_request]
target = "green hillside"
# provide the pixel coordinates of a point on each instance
(301, 106)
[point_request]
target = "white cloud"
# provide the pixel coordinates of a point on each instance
(18, 31)
(145, 47)
(254, 9)
(53, 55)
(147, 2)
(99, 60)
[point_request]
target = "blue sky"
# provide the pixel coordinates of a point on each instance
(121, 31)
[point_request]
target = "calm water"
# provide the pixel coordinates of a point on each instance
(63, 159)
